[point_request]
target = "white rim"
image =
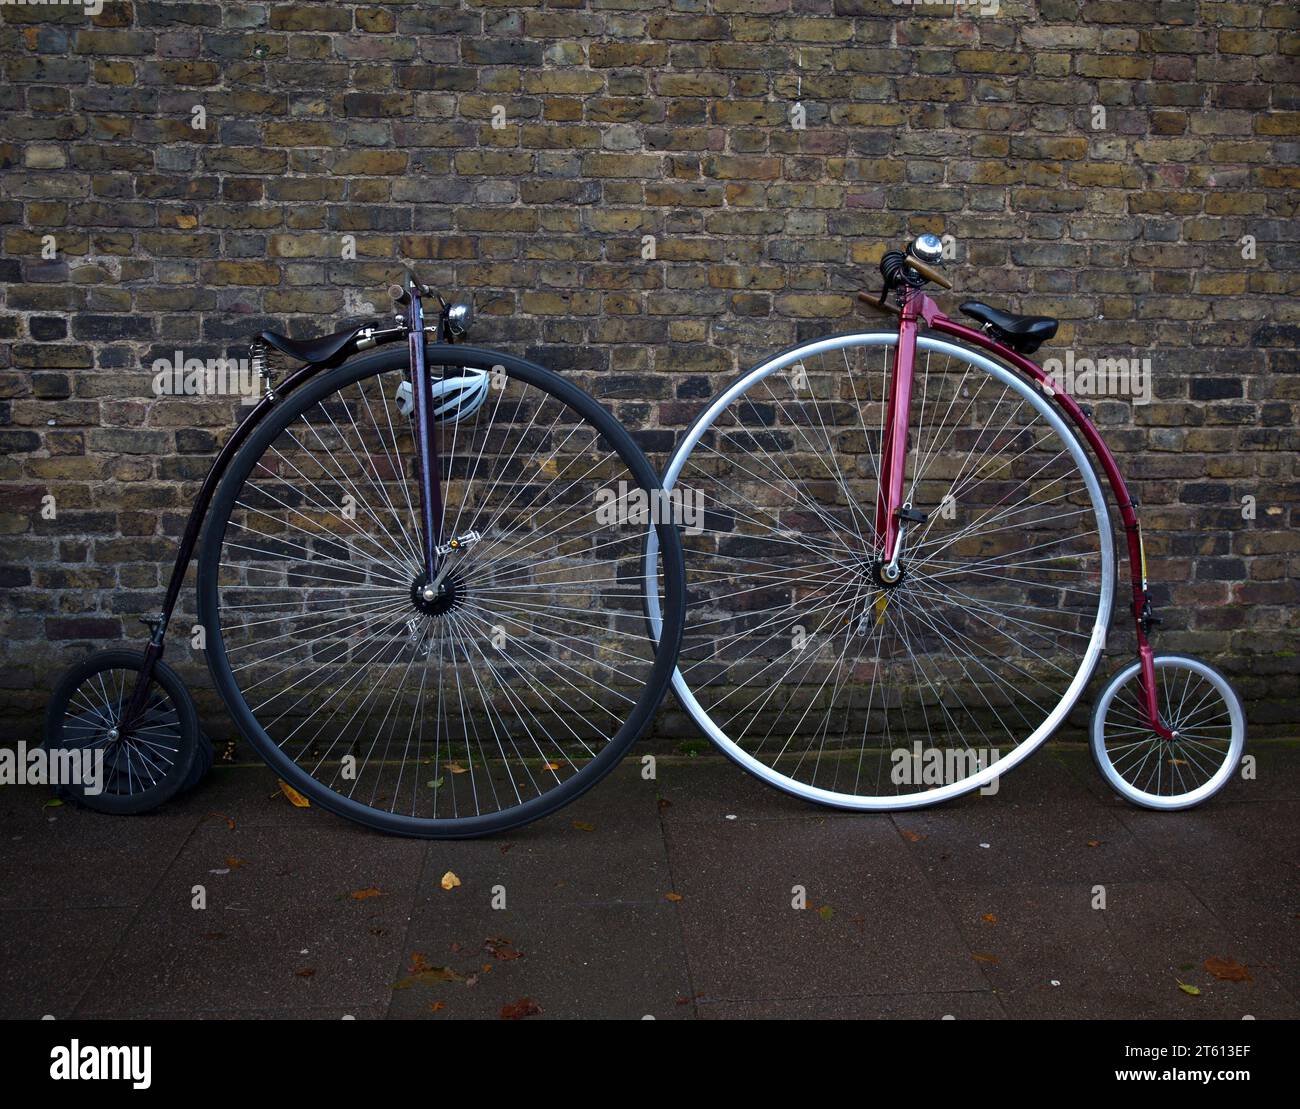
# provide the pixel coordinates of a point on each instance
(1095, 643)
(1169, 802)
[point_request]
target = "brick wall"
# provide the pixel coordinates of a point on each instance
(178, 176)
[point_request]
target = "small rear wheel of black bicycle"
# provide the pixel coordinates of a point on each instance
(107, 763)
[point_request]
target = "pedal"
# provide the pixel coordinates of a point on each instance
(459, 543)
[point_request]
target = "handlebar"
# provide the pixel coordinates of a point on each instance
(928, 272)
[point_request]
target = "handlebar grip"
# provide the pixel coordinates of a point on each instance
(884, 306)
(928, 272)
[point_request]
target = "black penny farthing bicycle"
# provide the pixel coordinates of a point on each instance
(418, 604)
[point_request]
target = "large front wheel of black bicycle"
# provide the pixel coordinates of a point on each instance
(486, 702)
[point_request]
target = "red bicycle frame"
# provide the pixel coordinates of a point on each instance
(917, 311)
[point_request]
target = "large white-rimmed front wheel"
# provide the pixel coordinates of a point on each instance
(1209, 731)
(801, 659)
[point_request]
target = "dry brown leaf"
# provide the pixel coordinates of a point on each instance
(306, 972)
(524, 1007)
(296, 799)
(234, 862)
(672, 897)
(500, 948)
(989, 918)
(449, 881)
(1228, 970)
(550, 766)
(437, 1006)
(230, 820)
(456, 768)
(428, 976)
(913, 837)
(365, 894)
(982, 957)
(1094, 843)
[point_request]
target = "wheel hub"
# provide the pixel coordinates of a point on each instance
(434, 601)
(879, 572)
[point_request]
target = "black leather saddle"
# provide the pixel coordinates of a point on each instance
(1024, 334)
(319, 351)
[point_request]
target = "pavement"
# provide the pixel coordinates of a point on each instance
(672, 898)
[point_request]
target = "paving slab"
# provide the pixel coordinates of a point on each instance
(49, 956)
(810, 908)
(294, 918)
(63, 856)
(465, 959)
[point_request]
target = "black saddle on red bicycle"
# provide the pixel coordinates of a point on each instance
(1024, 334)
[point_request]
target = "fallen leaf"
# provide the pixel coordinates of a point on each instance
(550, 766)
(1094, 843)
(437, 1006)
(456, 768)
(306, 972)
(296, 799)
(365, 894)
(449, 881)
(52, 803)
(524, 1007)
(230, 820)
(672, 897)
(989, 918)
(435, 784)
(981, 957)
(427, 977)
(1189, 989)
(1227, 970)
(825, 912)
(500, 948)
(234, 862)
(664, 803)
(583, 826)
(913, 837)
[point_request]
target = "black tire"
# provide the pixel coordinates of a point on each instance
(170, 757)
(612, 436)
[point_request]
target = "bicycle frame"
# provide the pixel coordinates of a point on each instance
(430, 480)
(917, 311)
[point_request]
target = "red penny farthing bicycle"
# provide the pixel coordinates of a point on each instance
(907, 570)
